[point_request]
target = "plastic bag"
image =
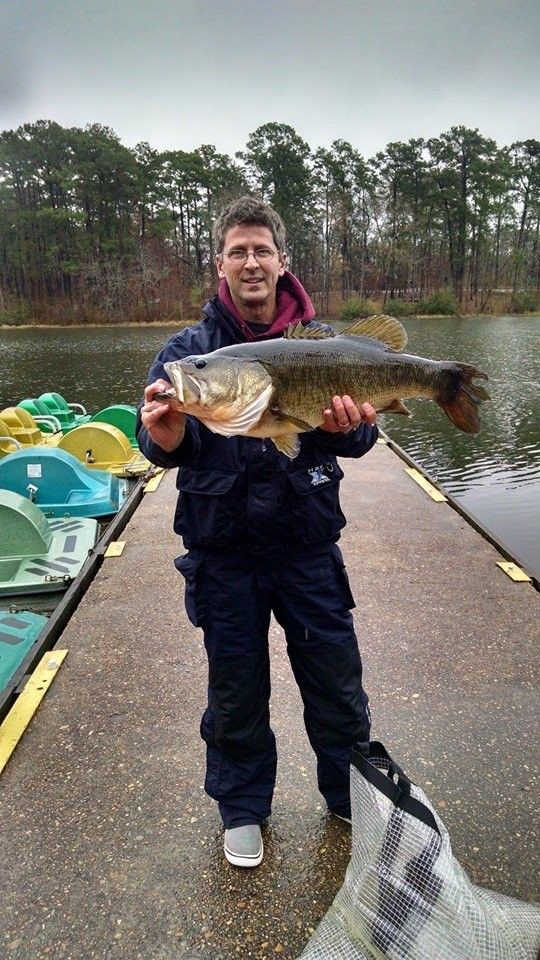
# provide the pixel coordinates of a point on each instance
(405, 895)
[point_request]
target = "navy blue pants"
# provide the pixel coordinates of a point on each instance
(231, 596)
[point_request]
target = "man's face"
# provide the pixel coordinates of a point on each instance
(252, 283)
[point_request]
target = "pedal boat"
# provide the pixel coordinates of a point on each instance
(120, 415)
(24, 428)
(8, 444)
(39, 555)
(60, 485)
(68, 415)
(100, 446)
(18, 633)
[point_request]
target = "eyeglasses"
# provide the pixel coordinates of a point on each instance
(240, 256)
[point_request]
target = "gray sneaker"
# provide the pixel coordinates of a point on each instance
(243, 846)
(341, 817)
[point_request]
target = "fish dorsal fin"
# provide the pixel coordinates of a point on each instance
(297, 331)
(380, 327)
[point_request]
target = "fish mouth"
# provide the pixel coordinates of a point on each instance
(188, 389)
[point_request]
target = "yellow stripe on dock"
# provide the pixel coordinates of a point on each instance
(115, 548)
(27, 703)
(154, 481)
(426, 485)
(514, 572)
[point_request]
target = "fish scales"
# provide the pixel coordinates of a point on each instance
(278, 388)
(306, 378)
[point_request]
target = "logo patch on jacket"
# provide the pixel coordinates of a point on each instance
(318, 475)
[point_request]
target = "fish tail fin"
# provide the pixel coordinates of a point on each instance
(462, 398)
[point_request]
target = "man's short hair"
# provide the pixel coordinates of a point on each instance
(252, 211)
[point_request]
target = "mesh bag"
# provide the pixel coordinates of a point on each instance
(405, 895)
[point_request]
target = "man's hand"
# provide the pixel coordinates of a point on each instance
(165, 425)
(345, 416)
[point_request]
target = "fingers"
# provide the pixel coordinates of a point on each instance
(153, 410)
(150, 416)
(157, 387)
(330, 424)
(368, 414)
(344, 416)
(347, 413)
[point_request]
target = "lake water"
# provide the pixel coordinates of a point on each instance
(495, 474)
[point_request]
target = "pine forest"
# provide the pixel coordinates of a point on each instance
(94, 232)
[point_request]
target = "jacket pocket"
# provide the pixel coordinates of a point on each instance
(209, 509)
(314, 501)
(206, 483)
(342, 577)
(190, 566)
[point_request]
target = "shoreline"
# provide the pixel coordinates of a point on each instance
(92, 326)
(180, 326)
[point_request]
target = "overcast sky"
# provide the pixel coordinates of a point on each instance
(179, 73)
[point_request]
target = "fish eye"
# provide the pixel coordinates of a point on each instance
(200, 364)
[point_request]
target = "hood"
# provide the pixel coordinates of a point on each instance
(292, 302)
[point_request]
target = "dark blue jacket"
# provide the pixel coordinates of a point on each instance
(241, 492)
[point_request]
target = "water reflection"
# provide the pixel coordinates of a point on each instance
(95, 366)
(496, 473)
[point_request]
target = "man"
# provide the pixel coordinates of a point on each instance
(260, 532)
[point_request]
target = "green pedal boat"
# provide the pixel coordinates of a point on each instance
(39, 555)
(122, 416)
(68, 415)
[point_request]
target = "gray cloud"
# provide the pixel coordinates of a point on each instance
(181, 72)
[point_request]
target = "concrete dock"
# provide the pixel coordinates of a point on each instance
(109, 846)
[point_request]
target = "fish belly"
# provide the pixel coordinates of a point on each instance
(271, 426)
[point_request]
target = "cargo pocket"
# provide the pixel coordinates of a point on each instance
(190, 566)
(314, 501)
(209, 506)
(342, 577)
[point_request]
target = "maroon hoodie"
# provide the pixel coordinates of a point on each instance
(292, 306)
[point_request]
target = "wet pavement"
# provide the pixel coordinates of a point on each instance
(110, 847)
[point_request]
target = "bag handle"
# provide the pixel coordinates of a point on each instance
(376, 750)
(399, 793)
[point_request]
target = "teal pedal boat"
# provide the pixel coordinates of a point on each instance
(18, 633)
(60, 485)
(39, 555)
(67, 415)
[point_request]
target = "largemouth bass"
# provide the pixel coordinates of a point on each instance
(279, 388)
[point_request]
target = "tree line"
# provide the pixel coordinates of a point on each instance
(93, 230)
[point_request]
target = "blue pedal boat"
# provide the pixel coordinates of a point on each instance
(39, 555)
(60, 485)
(18, 633)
